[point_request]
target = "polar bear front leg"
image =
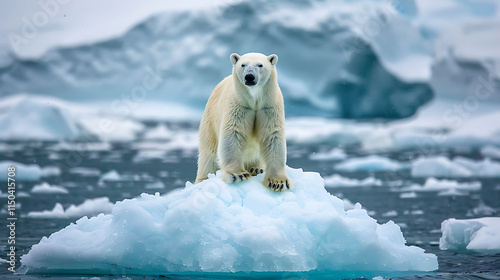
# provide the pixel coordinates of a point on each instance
(271, 133)
(235, 134)
(230, 155)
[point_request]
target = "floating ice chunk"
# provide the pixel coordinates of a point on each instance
(392, 213)
(112, 128)
(25, 172)
(337, 181)
(111, 176)
(483, 168)
(483, 210)
(491, 152)
(81, 146)
(370, 163)
(407, 195)
(90, 207)
(438, 166)
(453, 192)
(50, 171)
(155, 185)
(160, 132)
(145, 155)
(86, 171)
(217, 227)
(334, 154)
(433, 184)
(48, 189)
(306, 130)
(481, 235)
(33, 119)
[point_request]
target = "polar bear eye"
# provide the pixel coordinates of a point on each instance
(243, 65)
(260, 65)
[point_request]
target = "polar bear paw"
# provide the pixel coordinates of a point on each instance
(256, 171)
(278, 185)
(229, 177)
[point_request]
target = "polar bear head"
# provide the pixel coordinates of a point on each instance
(253, 69)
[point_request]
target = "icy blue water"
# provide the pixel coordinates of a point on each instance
(419, 217)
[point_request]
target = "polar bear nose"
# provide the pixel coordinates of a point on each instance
(249, 78)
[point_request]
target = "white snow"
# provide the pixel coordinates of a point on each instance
(370, 163)
(433, 185)
(482, 235)
(441, 166)
(90, 207)
(219, 227)
(45, 188)
(337, 181)
(334, 154)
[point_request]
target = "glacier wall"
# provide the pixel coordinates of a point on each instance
(335, 58)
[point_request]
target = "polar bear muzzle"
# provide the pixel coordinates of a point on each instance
(250, 80)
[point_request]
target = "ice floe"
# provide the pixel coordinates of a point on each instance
(370, 163)
(337, 181)
(219, 227)
(482, 235)
(45, 188)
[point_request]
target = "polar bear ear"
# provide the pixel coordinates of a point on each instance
(273, 59)
(234, 58)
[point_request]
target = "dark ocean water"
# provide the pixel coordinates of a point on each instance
(420, 218)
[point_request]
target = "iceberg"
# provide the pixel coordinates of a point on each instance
(36, 120)
(481, 235)
(217, 227)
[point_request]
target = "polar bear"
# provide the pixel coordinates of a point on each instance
(242, 130)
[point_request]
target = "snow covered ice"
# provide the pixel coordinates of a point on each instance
(482, 235)
(219, 227)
